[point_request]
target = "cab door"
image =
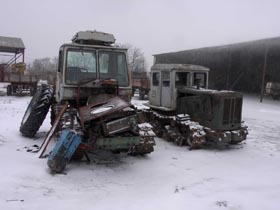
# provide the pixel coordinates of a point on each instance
(165, 95)
(155, 88)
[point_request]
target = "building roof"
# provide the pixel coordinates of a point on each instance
(11, 45)
(268, 41)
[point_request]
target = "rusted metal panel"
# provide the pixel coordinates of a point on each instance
(19, 77)
(120, 125)
(102, 109)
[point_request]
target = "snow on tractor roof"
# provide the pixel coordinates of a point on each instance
(11, 45)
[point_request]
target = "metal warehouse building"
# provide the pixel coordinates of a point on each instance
(240, 66)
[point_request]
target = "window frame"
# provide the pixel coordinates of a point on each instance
(188, 74)
(156, 77)
(205, 79)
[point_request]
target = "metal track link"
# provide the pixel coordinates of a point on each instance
(177, 128)
(147, 141)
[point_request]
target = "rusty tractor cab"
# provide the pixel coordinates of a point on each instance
(88, 63)
(90, 109)
(13, 70)
(178, 89)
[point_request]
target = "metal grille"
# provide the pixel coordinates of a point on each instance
(227, 108)
(232, 110)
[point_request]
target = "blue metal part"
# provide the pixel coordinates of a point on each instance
(63, 151)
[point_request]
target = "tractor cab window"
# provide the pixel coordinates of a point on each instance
(103, 63)
(165, 79)
(181, 79)
(156, 79)
(199, 78)
(112, 65)
(81, 65)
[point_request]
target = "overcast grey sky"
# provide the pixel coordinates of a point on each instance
(154, 26)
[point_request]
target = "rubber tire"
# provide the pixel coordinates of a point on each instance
(9, 90)
(36, 111)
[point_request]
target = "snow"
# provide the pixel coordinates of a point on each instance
(245, 176)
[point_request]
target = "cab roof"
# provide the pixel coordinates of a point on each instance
(92, 46)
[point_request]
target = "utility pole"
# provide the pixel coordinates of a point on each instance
(264, 72)
(228, 69)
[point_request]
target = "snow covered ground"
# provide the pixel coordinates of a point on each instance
(246, 176)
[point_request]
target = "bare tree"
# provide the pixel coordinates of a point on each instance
(44, 64)
(136, 58)
(45, 68)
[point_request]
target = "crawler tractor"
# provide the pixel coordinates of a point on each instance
(184, 111)
(90, 103)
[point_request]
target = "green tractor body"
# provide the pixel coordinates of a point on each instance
(183, 89)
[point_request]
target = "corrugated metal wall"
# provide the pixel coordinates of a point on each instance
(233, 67)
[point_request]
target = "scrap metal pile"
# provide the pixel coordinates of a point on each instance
(109, 125)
